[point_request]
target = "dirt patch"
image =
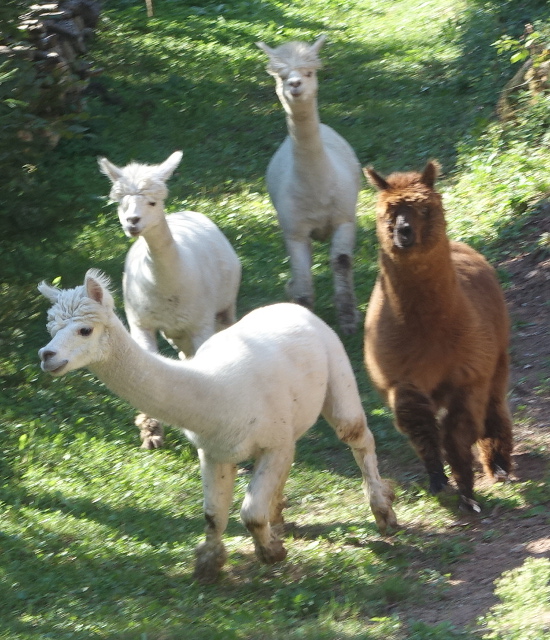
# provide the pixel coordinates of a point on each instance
(504, 538)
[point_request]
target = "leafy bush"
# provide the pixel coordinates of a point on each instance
(524, 610)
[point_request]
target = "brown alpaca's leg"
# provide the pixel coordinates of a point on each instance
(495, 447)
(461, 429)
(414, 415)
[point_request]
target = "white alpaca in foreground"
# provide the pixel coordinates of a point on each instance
(313, 181)
(181, 277)
(250, 392)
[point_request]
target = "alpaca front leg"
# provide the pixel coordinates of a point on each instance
(151, 431)
(263, 504)
(341, 262)
(462, 427)
(415, 417)
(217, 481)
(300, 286)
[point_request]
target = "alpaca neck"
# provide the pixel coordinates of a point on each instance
(162, 249)
(421, 291)
(172, 391)
(304, 129)
(303, 122)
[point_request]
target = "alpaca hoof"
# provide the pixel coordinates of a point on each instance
(382, 509)
(151, 432)
(469, 505)
(272, 554)
(386, 520)
(209, 561)
(438, 482)
(499, 474)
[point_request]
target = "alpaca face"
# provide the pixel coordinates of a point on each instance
(76, 322)
(74, 345)
(297, 84)
(140, 191)
(294, 66)
(410, 218)
(139, 213)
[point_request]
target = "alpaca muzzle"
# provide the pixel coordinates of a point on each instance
(403, 233)
(49, 363)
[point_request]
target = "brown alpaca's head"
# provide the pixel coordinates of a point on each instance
(410, 218)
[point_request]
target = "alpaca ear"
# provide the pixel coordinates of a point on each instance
(375, 179)
(52, 293)
(430, 173)
(267, 50)
(96, 286)
(109, 169)
(166, 168)
(316, 46)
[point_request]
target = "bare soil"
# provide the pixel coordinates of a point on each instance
(504, 538)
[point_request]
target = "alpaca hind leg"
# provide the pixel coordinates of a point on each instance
(341, 262)
(461, 427)
(300, 286)
(278, 504)
(217, 481)
(262, 503)
(495, 447)
(356, 434)
(415, 417)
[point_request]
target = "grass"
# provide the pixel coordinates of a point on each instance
(97, 536)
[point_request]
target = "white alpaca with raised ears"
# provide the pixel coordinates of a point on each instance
(181, 276)
(313, 181)
(250, 392)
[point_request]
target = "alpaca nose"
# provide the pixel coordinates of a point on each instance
(295, 82)
(404, 233)
(46, 354)
(133, 219)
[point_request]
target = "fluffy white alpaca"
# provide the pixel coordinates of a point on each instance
(313, 180)
(181, 277)
(250, 392)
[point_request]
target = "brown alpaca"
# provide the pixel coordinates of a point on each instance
(436, 336)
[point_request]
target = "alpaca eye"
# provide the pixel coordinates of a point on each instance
(425, 211)
(85, 332)
(308, 74)
(151, 204)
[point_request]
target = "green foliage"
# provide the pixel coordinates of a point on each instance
(534, 43)
(524, 610)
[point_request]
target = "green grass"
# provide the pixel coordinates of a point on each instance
(97, 536)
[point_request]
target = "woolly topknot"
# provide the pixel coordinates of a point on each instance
(139, 180)
(75, 304)
(293, 55)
